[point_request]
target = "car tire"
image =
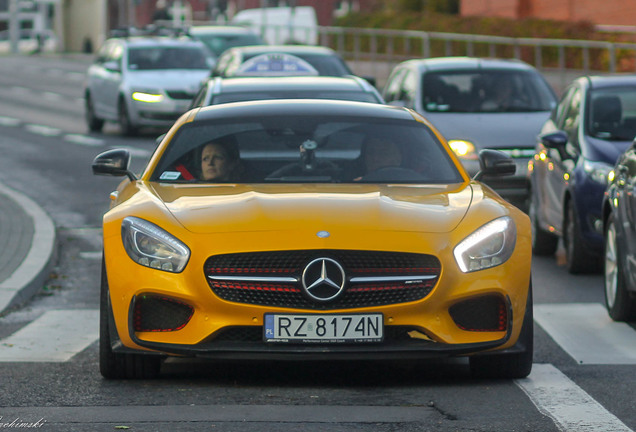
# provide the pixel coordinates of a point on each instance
(119, 365)
(577, 258)
(509, 365)
(620, 303)
(94, 123)
(126, 126)
(543, 242)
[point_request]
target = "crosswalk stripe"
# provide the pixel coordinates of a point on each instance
(84, 140)
(54, 337)
(568, 405)
(587, 333)
(43, 130)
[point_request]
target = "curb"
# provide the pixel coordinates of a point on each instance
(34, 270)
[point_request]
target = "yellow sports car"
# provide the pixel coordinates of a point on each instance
(303, 229)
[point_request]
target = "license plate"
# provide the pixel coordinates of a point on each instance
(324, 328)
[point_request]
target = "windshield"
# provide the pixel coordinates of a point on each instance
(486, 91)
(302, 149)
(612, 114)
(219, 43)
(160, 58)
(326, 65)
(357, 96)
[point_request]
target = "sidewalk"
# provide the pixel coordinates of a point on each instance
(27, 246)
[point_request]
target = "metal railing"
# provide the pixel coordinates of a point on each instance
(376, 51)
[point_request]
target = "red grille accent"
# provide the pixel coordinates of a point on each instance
(291, 264)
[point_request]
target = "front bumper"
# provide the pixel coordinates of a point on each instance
(160, 114)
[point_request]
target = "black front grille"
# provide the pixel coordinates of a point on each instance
(180, 94)
(274, 278)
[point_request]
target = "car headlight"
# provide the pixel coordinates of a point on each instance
(147, 96)
(153, 247)
(491, 245)
(598, 171)
(463, 149)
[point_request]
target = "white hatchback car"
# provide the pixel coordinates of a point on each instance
(144, 81)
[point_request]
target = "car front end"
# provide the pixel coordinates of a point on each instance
(159, 98)
(232, 280)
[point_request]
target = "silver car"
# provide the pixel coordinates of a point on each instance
(478, 104)
(144, 81)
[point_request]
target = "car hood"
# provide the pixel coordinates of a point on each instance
(605, 151)
(209, 209)
(182, 79)
(491, 130)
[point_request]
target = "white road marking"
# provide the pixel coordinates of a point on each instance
(136, 151)
(54, 337)
(84, 140)
(9, 121)
(91, 255)
(52, 96)
(43, 130)
(568, 405)
(587, 333)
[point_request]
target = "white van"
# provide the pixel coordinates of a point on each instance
(281, 25)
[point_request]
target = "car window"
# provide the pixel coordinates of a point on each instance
(393, 85)
(311, 150)
(611, 114)
(326, 65)
(217, 44)
(222, 64)
(160, 58)
(572, 117)
(489, 91)
(408, 92)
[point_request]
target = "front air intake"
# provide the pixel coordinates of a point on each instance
(152, 313)
(481, 314)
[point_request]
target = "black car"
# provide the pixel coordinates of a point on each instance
(619, 226)
(594, 123)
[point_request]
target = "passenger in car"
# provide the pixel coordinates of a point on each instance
(502, 96)
(377, 152)
(219, 162)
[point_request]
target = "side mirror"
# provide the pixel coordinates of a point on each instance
(495, 163)
(112, 66)
(556, 141)
(113, 163)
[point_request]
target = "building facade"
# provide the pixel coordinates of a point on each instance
(606, 12)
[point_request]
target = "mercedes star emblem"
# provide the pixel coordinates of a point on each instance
(323, 279)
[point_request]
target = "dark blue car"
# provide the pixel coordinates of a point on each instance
(619, 222)
(593, 124)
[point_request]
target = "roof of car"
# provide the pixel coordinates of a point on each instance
(220, 29)
(147, 41)
(468, 63)
(598, 81)
(288, 49)
(289, 83)
(296, 107)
